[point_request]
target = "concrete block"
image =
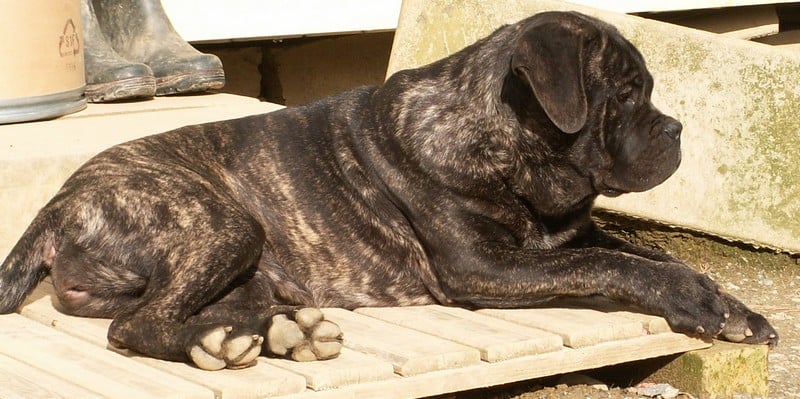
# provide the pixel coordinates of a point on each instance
(738, 101)
(723, 371)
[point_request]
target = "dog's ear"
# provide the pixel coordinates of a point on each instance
(549, 57)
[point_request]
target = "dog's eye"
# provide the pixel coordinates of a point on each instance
(625, 96)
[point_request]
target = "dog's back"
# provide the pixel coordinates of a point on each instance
(325, 216)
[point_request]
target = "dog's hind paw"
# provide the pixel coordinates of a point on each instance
(217, 349)
(306, 338)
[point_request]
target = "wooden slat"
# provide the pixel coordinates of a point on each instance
(349, 368)
(259, 381)
(269, 377)
(88, 366)
(375, 348)
(577, 327)
(517, 369)
(496, 339)
(410, 351)
(650, 324)
(88, 329)
(19, 380)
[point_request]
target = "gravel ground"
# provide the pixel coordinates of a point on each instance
(766, 280)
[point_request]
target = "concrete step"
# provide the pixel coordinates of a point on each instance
(737, 100)
(36, 158)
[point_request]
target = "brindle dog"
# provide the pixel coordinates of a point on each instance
(466, 182)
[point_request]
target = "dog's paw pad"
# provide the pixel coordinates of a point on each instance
(218, 349)
(307, 318)
(326, 340)
(308, 337)
(283, 335)
(750, 328)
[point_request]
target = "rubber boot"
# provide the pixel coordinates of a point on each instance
(110, 77)
(140, 30)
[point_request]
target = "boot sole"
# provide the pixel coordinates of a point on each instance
(190, 82)
(125, 89)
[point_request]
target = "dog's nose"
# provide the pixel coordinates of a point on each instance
(672, 129)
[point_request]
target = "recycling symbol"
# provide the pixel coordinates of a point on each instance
(69, 42)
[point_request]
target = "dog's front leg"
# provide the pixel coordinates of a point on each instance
(501, 275)
(742, 325)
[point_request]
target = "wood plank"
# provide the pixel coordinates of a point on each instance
(349, 368)
(19, 380)
(91, 330)
(496, 339)
(577, 327)
(259, 381)
(410, 351)
(86, 365)
(517, 369)
(650, 324)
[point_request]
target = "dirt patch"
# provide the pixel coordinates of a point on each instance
(767, 281)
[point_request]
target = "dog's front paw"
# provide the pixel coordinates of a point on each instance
(217, 349)
(692, 303)
(746, 326)
(306, 338)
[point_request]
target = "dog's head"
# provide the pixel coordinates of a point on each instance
(591, 87)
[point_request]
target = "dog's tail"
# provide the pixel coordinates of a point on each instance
(27, 263)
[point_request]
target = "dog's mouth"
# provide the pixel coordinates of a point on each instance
(611, 192)
(605, 189)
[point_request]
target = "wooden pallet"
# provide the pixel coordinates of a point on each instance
(389, 353)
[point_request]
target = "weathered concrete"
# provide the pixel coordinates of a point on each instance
(722, 371)
(738, 101)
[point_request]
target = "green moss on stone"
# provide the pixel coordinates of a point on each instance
(772, 174)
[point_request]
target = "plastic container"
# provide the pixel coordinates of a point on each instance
(41, 59)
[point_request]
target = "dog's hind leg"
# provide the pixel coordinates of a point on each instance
(211, 306)
(204, 260)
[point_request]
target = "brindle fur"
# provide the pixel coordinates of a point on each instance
(467, 182)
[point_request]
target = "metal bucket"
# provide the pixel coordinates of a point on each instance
(41, 59)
